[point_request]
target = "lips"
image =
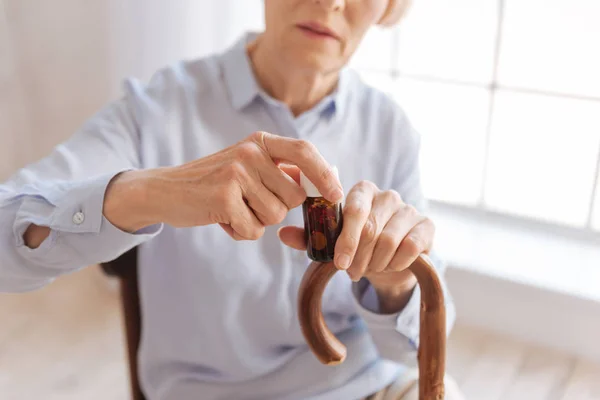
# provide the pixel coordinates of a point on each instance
(318, 29)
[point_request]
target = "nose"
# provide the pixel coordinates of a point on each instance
(333, 5)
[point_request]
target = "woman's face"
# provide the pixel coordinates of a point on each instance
(320, 34)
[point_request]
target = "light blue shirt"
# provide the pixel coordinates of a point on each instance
(220, 316)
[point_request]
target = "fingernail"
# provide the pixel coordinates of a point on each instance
(343, 261)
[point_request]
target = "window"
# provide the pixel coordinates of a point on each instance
(506, 96)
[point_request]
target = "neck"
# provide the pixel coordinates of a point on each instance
(299, 88)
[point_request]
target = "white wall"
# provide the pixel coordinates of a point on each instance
(13, 125)
(61, 60)
(163, 31)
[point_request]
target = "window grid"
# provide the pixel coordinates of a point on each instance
(493, 87)
(594, 194)
(396, 73)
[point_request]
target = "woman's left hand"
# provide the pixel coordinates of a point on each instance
(381, 237)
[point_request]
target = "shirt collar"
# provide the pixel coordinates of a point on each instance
(239, 77)
(243, 87)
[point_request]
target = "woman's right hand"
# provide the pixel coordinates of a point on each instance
(243, 188)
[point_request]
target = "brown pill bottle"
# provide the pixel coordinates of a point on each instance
(322, 222)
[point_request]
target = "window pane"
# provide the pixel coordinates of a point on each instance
(450, 39)
(542, 157)
(552, 45)
(452, 122)
(375, 51)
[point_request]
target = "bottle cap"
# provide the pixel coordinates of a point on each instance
(310, 189)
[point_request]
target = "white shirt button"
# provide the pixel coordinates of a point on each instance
(78, 218)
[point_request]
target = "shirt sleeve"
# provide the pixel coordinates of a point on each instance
(65, 191)
(397, 335)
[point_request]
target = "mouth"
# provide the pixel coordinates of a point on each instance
(316, 30)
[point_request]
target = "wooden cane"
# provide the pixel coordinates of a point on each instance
(432, 339)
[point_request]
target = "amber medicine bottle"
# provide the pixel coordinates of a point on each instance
(322, 222)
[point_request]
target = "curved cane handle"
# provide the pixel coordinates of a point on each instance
(432, 348)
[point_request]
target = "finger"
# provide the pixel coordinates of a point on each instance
(392, 235)
(292, 171)
(293, 237)
(244, 223)
(282, 185)
(267, 207)
(306, 156)
(229, 230)
(418, 240)
(384, 207)
(355, 213)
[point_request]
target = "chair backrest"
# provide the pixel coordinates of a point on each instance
(125, 268)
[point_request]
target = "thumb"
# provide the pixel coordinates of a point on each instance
(293, 237)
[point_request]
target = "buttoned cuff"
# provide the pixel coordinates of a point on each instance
(80, 234)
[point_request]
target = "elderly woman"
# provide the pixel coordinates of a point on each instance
(198, 167)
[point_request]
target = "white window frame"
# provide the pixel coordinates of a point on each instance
(481, 209)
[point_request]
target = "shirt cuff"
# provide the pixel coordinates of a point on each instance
(409, 319)
(80, 234)
(405, 322)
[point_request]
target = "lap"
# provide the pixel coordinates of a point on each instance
(406, 387)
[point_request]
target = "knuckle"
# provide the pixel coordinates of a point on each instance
(410, 210)
(412, 246)
(355, 209)
(393, 197)
(255, 233)
(388, 242)
(369, 231)
(305, 148)
(248, 150)
(366, 186)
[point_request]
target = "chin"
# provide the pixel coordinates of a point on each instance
(317, 60)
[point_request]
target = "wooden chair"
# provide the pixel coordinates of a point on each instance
(125, 268)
